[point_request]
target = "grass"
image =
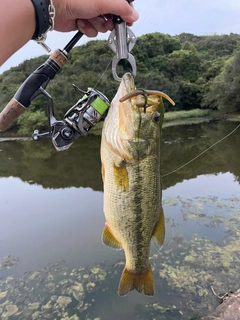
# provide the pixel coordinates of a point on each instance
(170, 118)
(190, 117)
(195, 113)
(177, 118)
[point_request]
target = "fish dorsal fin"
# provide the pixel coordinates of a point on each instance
(159, 231)
(109, 240)
(140, 282)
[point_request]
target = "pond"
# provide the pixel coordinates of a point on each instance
(52, 262)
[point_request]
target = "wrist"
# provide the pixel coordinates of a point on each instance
(44, 15)
(41, 17)
(17, 26)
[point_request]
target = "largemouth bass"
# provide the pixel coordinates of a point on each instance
(130, 154)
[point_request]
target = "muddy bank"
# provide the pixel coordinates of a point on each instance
(229, 309)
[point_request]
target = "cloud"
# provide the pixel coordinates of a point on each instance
(201, 17)
(55, 40)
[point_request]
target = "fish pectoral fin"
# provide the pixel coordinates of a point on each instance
(140, 282)
(121, 176)
(159, 231)
(103, 173)
(109, 240)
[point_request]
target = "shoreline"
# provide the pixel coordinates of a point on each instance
(210, 116)
(174, 118)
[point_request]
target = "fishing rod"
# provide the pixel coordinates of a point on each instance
(88, 110)
(78, 120)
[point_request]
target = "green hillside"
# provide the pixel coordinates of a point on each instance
(195, 71)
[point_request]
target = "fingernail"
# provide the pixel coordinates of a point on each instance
(80, 23)
(135, 15)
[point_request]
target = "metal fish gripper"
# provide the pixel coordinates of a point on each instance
(121, 41)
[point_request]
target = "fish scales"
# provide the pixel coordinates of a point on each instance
(130, 154)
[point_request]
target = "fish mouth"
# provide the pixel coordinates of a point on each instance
(129, 83)
(145, 98)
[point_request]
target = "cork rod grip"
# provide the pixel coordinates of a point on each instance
(10, 113)
(59, 57)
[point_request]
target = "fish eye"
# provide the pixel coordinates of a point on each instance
(156, 116)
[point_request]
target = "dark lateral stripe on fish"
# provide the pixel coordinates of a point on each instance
(140, 245)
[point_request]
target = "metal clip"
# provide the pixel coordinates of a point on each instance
(42, 38)
(121, 41)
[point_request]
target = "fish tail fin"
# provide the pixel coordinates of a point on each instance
(141, 282)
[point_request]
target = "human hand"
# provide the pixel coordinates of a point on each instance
(91, 16)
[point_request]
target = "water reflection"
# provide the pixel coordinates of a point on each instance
(42, 225)
(182, 144)
(222, 185)
(39, 163)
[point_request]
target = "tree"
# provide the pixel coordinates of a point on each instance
(195, 71)
(224, 90)
(185, 64)
(30, 121)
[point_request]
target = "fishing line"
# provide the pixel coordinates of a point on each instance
(187, 163)
(198, 156)
(100, 78)
(146, 17)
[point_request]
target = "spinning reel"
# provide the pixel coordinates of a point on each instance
(78, 120)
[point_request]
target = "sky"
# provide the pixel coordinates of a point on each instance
(200, 17)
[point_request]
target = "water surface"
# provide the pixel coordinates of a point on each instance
(52, 262)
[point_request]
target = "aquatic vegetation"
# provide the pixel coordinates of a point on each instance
(8, 262)
(184, 271)
(9, 310)
(63, 301)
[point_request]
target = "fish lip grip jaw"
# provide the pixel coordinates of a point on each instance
(121, 41)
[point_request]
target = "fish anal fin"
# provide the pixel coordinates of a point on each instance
(109, 240)
(159, 231)
(121, 176)
(141, 282)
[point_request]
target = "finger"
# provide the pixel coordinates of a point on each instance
(101, 23)
(107, 16)
(120, 7)
(91, 27)
(109, 24)
(87, 28)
